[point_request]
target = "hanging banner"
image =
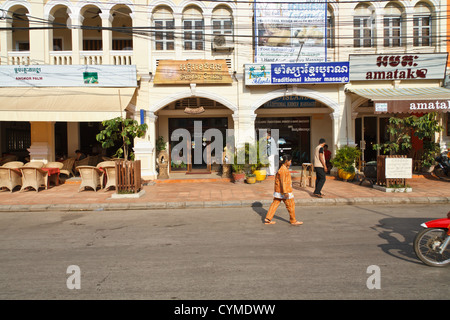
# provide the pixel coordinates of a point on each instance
(292, 73)
(290, 31)
(68, 76)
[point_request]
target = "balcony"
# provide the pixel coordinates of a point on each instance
(19, 57)
(89, 57)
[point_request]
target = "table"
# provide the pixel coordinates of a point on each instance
(52, 172)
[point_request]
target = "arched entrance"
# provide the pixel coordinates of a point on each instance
(302, 117)
(196, 115)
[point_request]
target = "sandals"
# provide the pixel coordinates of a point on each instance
(317, 195)
(297, 223)
(267, 221)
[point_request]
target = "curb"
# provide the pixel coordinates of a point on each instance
(222, 204)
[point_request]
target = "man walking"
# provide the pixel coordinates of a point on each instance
(320, 167)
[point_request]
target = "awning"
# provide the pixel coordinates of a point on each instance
(407, 100)
(63, 104)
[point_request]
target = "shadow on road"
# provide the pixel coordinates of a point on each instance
(399, 234)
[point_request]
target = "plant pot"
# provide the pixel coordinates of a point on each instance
(251, 180)
(347, 175)
(238, 177)
(260, 175)
(340, 171)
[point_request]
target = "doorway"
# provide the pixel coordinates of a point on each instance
(203, 165)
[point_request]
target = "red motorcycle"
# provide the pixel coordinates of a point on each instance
(432, 243)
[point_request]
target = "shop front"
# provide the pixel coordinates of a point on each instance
(50, 111)
(384, 86)
(301, 102)
(191, 100)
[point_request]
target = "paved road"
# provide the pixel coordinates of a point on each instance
(218, 254)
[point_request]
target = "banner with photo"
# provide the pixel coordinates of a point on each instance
(290, 32)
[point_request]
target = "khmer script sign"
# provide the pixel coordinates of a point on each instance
(292, 73)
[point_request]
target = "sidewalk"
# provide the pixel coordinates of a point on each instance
(206, 193)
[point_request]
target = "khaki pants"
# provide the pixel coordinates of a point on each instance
(290, 206)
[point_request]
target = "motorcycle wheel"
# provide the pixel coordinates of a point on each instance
(439, 172)
(426, 246)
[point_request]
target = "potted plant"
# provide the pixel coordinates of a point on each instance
(344, 160)
(238, 172)
(250, 178)
(124, 130)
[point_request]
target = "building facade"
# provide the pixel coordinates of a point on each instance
(193, 63)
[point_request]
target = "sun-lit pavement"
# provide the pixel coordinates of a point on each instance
(218, 192)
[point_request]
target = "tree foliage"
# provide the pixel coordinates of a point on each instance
(124, 130)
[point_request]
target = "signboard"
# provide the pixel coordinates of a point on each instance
(398, 66)
(68, 76)
(192, 71)
(290, 102)
(410, 106)
(292, 73)
(290, 31)
(398, 168)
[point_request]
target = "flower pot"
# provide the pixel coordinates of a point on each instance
(238, 177)
(340, 171)
(260, 175)
(347, 175)
(251, 180)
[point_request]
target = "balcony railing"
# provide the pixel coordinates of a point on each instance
(91, 57)
(117, 57)
(61, 57)
(121, 57)
(19, 57)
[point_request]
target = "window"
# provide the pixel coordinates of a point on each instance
(222, 21)
(363, 26)
(363, 32)
(422, 25)
(392, 31)
(164, 35)
(193, 30)
(164, 29)
(193, 35)
(392, 25)
(422, 31)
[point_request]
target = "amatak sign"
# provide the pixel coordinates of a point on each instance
(371, 67)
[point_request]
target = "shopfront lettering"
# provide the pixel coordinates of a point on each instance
(408, 74)
(433, 105)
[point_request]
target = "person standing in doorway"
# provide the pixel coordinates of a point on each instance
(320, 167)
(283, 192)
(271, 153)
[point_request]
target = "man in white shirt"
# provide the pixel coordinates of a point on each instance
(320, 167)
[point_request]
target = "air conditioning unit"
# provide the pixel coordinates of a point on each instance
(222, 43)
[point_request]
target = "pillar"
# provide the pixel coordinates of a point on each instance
(76, 21)
(144, 148)
(42, 141)
(73, 138)
(106, 37)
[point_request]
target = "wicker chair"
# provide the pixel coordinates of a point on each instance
(90, 177)
(10, 178)
(33, 177)
(34, 164)
(13, 164)
(110, 172)
(67, 167)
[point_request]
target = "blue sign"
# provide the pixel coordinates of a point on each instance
(292, 73)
